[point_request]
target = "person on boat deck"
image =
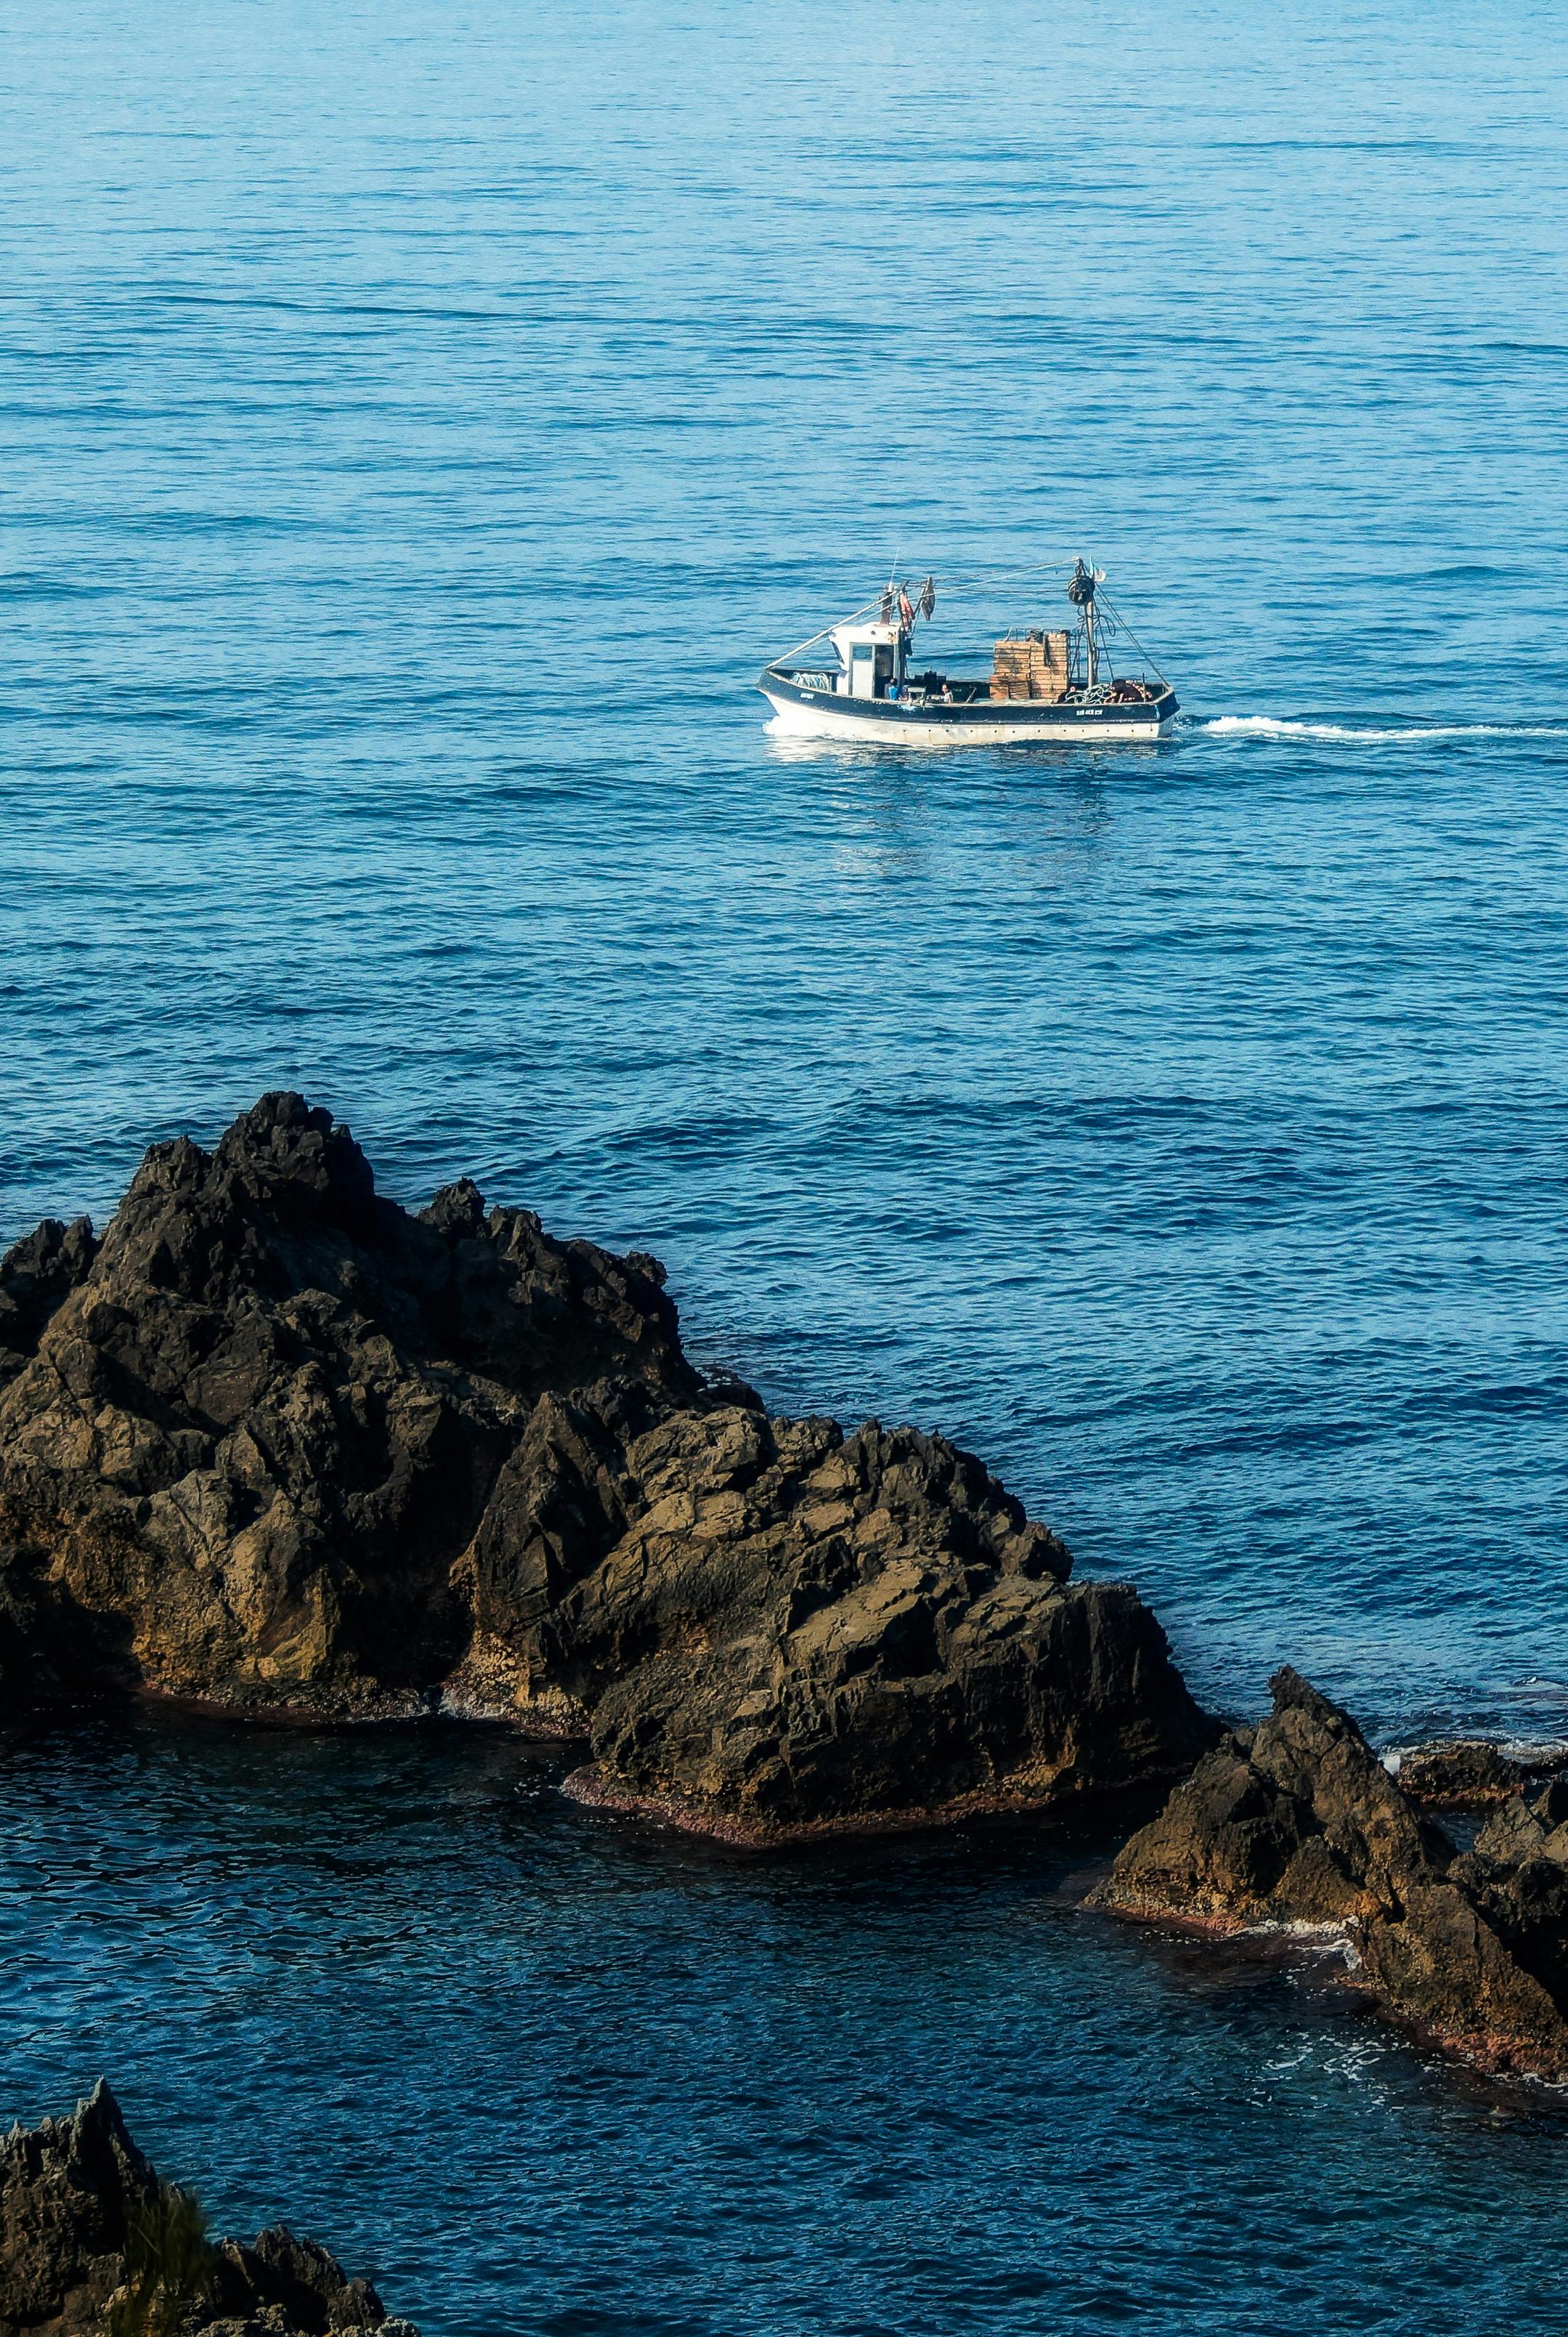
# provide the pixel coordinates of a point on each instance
(892, 689)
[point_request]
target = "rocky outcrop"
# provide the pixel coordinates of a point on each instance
(93, 2245)
(801, 1627)
(1296, 1826)
(1462, 1773)
(278, 1445)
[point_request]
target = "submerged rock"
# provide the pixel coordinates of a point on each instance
(93, 2245)
(1297, 1825)
(278, 1444)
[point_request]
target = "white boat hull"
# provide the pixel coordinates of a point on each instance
(879, 723)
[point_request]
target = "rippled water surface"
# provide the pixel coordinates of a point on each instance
(549, 2075)
(421, 423)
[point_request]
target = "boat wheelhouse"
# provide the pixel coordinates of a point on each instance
(1045, 685)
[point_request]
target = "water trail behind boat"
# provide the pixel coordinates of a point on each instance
(1274, 725)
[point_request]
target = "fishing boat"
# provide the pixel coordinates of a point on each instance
(858, 680)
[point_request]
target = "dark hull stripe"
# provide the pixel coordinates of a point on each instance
(1049, 720)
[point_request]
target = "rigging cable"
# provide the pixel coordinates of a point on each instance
(961, 584)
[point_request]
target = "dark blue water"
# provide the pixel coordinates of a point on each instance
(421, 423)
(553, 2076)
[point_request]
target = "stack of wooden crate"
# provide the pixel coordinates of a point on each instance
(1030, 665)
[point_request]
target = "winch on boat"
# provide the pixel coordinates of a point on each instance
(1045, 685)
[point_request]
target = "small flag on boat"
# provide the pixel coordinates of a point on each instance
(927, 599)
(906, 610)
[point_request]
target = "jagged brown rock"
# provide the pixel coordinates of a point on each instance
(93, 2245)
(1462, 1773)
(1517, 1875)
(1297, 1825)
(895, 1638)
(278, 1444)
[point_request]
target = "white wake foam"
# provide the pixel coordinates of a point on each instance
(1273, 726)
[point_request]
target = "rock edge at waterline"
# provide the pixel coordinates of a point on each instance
(278, 1446)
(93, 2244)
(1296, 1826)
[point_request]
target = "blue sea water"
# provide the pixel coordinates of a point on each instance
(421, 423)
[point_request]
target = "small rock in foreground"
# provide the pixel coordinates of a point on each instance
(1296, 1826)
(93, 2245)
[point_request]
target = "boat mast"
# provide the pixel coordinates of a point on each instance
(1081, 586)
